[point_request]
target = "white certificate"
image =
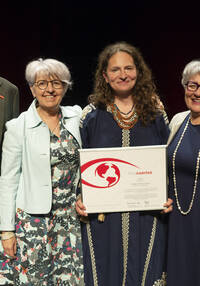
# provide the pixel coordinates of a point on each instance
(123, 179)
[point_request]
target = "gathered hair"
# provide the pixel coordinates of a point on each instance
(49, 67)
(146, 100)
(192, 68)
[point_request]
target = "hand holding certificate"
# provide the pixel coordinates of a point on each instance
(123, 179)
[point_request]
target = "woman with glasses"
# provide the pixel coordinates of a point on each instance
(184, 185)
(40, 174)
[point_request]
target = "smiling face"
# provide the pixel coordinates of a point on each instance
(121, 74)
(49, 98)
(192, 98)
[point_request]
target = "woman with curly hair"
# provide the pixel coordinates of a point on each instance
(125, 110)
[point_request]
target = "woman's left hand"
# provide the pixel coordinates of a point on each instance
(168, 205)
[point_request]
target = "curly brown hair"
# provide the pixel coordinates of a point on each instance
(146, 100)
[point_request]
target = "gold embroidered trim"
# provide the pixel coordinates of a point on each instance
(125, 236)
(94, 270)
(149, 252)
(165, 117)
(162, 281)
(85, 111)
(125, 137)
(125, 216)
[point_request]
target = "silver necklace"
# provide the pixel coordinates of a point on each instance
(54, 129)
(174, 175)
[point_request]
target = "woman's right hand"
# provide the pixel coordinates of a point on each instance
(10, 246)
(80, 208)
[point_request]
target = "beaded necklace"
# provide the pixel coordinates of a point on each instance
(174, 175)
(123, 122)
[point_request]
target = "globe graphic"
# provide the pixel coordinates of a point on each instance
(109, 172)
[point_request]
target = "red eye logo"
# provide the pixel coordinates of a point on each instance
(104, 172)
(109, 172)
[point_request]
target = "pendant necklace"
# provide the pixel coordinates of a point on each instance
(174, 175)
(122, 111)
(54, 129)
(46, 121)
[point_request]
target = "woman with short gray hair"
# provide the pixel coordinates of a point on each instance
(184, 185)
(40, 175)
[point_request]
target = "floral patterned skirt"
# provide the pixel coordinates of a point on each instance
(49, 248)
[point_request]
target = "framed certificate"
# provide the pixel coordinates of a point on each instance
(123, 179)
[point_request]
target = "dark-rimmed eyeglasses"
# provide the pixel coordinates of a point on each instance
(43, 84)
(192, 86)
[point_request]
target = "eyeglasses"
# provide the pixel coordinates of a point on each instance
(43, 84)
(192, 86)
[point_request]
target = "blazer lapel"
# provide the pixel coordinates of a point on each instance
(173, 132)
(2, 115)
(176, 126)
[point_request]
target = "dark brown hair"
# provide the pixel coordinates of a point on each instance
(146, 100)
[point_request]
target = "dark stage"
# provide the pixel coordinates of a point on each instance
(75, 32)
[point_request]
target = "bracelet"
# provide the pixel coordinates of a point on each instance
(7, 235)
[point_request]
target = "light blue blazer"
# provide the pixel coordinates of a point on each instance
(25, 180)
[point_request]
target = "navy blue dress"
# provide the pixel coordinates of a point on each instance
(184, 230)
(127, 248)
